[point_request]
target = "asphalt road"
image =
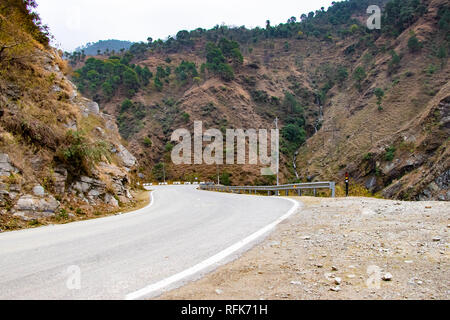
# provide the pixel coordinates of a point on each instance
(110, 258)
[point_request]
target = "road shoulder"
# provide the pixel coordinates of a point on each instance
(341, 249)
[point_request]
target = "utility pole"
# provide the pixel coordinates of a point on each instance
(218, 175)
(278, 156)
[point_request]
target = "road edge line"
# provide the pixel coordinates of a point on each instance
(147, 291)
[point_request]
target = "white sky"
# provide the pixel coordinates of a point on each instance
(76, 22)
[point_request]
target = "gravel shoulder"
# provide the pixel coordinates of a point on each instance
(347, 248)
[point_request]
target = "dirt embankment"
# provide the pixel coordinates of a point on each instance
(355, 248)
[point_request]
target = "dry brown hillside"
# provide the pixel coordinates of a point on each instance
(60, 158)
(320, 74)
(414, 122)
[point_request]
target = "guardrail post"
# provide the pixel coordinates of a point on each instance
(315, 192)
(299, 192)
(287, 193)
(333, 189)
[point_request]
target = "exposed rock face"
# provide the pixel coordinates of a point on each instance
(41, 176)
(438, 189)
(94, 190)
(371, 183)
(88, 107)
(127, 158)
(4, 194)
(6, 168)
(31, 207)
(89, 189)
(59, 180)
(109, 199)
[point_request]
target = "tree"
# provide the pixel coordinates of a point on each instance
(359, 75)
(158, 171)
(158, 84)
(294, 137)
(414, 44)
(379, 93)
(216, 62)
(394, 64)
(127, 104)
(291, 104)
(130, 79)
(341, 74)
(108, 89)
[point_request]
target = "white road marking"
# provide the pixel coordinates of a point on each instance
(151, 289)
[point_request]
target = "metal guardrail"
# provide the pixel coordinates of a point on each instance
(275, 189)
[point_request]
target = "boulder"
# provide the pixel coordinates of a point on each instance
(93, 108)
(371, 183)
(31, 207)
(6, 168)
(110, 200)
(4, 194)
(127, 158)
(38, 191)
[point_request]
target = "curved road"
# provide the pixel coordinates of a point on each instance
(120, 255)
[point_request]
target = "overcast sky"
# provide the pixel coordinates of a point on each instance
(76, 22)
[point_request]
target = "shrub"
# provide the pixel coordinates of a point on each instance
(414, 44)
(216, 62)
(379, 93)
(147, 142)
(80, 154)
(394, 64)
(169, 147)
(225, 179)
(368, 156)
(390, 153)
(126, 105)
(359, 75)
(186, 117)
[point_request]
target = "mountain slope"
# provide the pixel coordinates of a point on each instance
(330, 80)
(60, 157)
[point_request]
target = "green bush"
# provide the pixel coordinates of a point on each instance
(394, 64)
(186, 117)
(110, 75)
(359, 75)
(368, 156)
(216, 62)
(414, 44)
(390, 154)
(147, 142)
(80, 154)
(225, 179)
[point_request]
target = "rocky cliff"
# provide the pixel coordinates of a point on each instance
(60, 157)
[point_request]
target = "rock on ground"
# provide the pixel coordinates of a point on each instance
(356, 251)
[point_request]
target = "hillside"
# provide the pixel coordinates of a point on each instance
(104, 46)
(61, 159)
(370, 102)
